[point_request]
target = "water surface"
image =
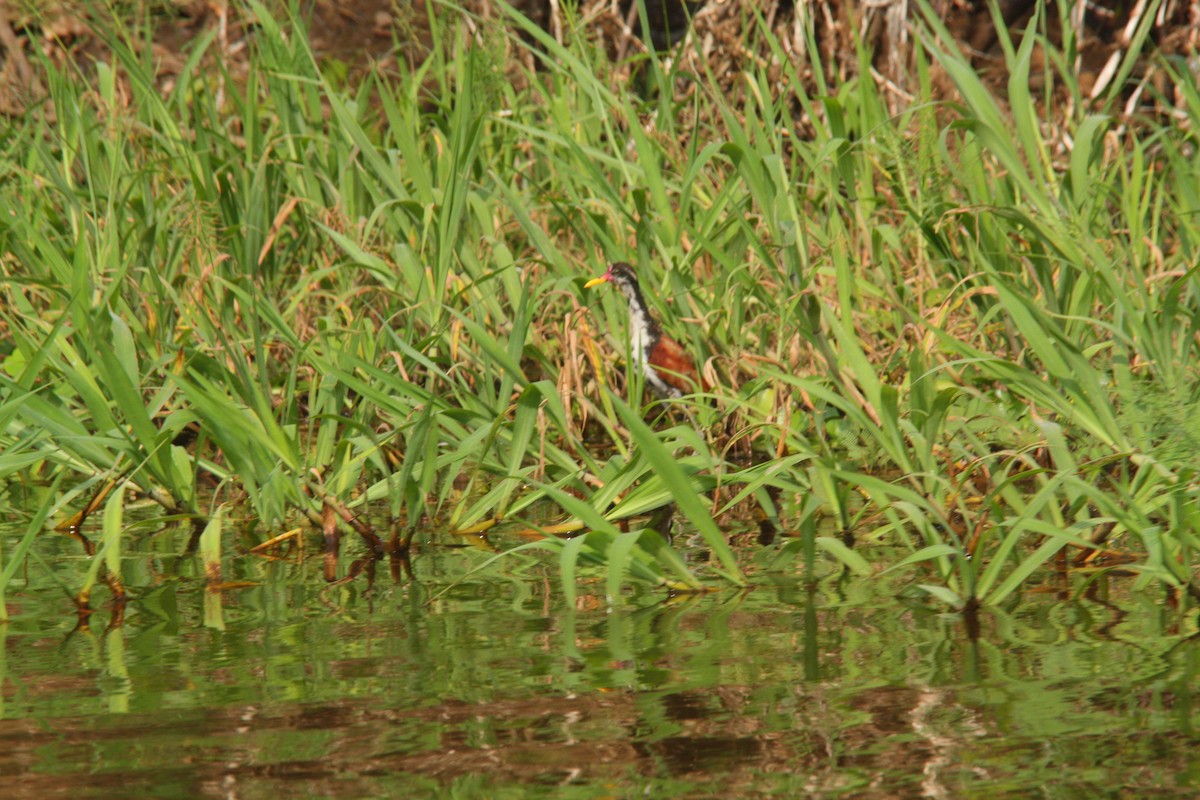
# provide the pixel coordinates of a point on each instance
(421, 686)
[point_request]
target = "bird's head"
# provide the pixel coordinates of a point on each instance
(619, 274)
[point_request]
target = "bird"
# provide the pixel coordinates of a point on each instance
(668, 369)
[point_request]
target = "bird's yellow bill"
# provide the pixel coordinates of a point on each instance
(595, 281)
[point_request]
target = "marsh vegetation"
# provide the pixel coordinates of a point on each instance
(953, 336)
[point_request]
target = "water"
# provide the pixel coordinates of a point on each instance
(422, 687)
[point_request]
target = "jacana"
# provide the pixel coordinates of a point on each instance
(668, 369)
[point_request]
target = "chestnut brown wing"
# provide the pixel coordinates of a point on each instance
(673, 365)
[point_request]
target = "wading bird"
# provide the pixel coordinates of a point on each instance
(668, 369)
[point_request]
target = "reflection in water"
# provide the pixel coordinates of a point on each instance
(358, 689)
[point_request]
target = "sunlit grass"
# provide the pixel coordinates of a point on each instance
(958, 329)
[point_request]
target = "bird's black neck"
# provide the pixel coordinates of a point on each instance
(639, 313)
(640, 316)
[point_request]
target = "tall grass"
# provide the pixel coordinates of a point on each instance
(960, 329)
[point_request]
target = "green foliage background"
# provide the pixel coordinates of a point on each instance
(967, 329)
